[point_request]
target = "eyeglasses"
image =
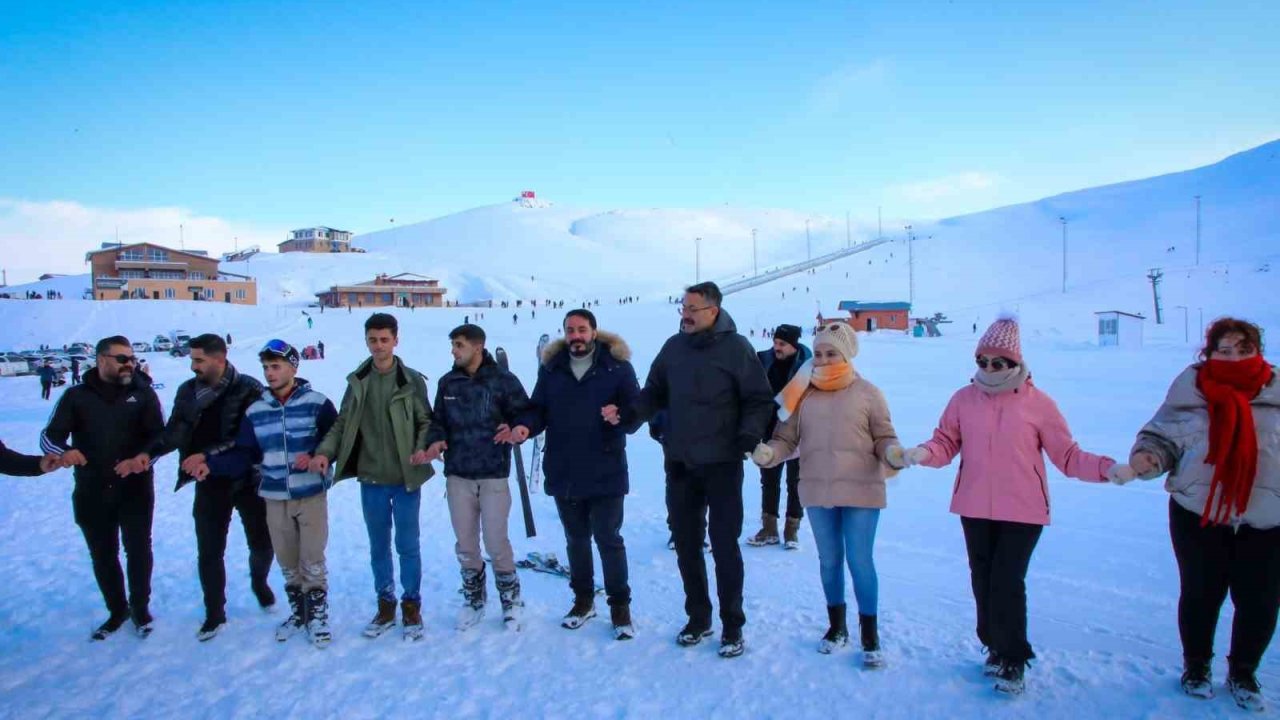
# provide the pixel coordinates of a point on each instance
(996, 364)
(123, 359)
(688, 310)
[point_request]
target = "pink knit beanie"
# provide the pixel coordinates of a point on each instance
(1002, 340)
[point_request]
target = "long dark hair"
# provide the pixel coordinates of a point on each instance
(1225, 326)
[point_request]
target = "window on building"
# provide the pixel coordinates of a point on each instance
(195, 275)
(157, 255)
(241, 294)
(132, 274)
(134, 255)
(168, 293)
(1108, 326)
(208, 292)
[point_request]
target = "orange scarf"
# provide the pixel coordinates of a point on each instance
(1229, 387)
(807, 377)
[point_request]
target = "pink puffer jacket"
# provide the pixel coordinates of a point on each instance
(999, 439)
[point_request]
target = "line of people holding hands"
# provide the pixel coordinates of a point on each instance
(272, 452)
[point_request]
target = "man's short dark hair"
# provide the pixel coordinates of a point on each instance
(383, 321)
(209, 343)
(471, 333)
(107, 343)
(709, 292)
(584, 314)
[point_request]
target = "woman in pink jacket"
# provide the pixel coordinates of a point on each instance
(1001, 425)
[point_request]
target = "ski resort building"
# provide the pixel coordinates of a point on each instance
(1119, 329)
(144, 271)
(869, 317)
(318, 240)
(403, 290)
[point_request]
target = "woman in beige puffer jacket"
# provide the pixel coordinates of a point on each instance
(839, 422)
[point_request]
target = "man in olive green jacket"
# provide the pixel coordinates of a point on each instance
(380, 437)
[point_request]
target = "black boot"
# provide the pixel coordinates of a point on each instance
(508, 585)
(318, 617)
(297, 620)
(871, 655)
(1242, 681)
(838, 633)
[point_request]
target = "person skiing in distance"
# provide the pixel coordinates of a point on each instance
(1217, 435)
(586, 458)
(476, 404)
(1001, 425)
(717, 396)
(839, 422)
(278, 434)
(780, 363)
(102, 427)
(207, 412)
(380, 437)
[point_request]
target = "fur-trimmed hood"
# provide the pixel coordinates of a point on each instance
(618, 347)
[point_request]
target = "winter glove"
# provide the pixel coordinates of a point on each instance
(894, 456)
(914, 456)
(1120, 474)
(762, 455)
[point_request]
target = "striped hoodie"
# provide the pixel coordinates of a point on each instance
(273, 434)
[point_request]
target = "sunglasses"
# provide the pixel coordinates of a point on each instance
(123, 359)
(996, 364)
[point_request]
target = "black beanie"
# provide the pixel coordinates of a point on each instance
(789, 334)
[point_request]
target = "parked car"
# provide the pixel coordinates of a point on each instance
(12, 364)
(141, 347)
(162, 344)
(80, 349)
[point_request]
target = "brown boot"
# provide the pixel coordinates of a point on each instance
(411, 618)
(621, 617)
(384, 620)
(584, 608)
(768, 534)
(791, 534)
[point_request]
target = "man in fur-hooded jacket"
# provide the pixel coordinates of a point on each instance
(586, 457)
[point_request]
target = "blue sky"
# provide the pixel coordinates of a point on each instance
(276, 115)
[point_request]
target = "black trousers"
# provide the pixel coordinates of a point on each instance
(771, 489)
(702, 499)
(107, 515)
(45, 390)
(215, 499)
(999, 554)
(1214, 561)
(599, 518)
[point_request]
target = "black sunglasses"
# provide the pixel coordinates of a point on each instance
(996, 364)
(123, 359)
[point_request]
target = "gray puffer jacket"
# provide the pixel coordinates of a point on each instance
(1178, 436)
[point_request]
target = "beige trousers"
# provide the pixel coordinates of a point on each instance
(299, 532)
(477, 506)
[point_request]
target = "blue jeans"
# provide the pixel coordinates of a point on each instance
(847, 533)
(386, 506)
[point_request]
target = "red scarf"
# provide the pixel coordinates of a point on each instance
(1233, 442)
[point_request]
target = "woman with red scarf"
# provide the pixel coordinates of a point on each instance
(1217, 435)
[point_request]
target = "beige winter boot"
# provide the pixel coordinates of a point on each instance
(791, 534)
(768, 534)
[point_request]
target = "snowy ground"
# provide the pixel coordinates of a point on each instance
(1103, 584)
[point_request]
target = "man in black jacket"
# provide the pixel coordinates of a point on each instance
(110, 419)
(476, 404)
(586, 458)
(718, 404)
(207, 411)
(781, 362)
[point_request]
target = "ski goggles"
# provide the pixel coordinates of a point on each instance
(280, 349)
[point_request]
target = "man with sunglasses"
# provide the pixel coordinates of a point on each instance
(718, 404)
(207, 412)
(280, 433)
(110, 419)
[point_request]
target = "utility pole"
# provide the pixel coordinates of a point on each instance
(1197, 230)
(1064, 254)
(879, 224)
(1154, 276)
(697, 260)
(755, 258)
(182, 241)
(808, 244)
(1186, 328)
(911, 267)
(848, 231)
